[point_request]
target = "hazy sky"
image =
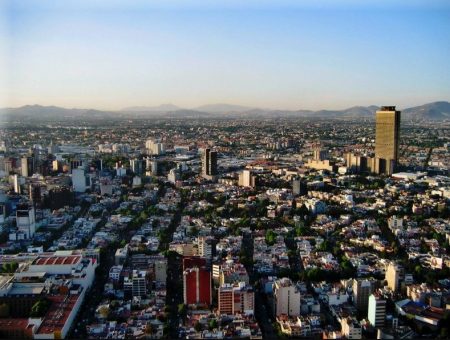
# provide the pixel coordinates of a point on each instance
(270, 54)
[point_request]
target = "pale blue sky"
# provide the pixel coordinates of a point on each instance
(270, 54)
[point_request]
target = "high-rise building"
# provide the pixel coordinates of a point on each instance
(209, 164)
(197, 286)
(79, 180)
(299, 187)
(236, 299)
(320, 154)
(393, 274)
(286, 297)
(35, 193)
(247, 179)
(377, 310)
(26, 220)
(137, 166)
(206, 246)
(362, 288)
(139, 285)
(16, 183)
(351, 328)
(27, 166)
(154, 147)
(387, 137)
(151, 165)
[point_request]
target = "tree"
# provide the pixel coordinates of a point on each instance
(198, 326)
(104, 312)
(148, 328)
(10, 267)
(212, 324)
(4, 310)
(40, 308)
(182, 310)
(270, 237)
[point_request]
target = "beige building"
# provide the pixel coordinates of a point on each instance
(350, 328)
(236, 298)
(247, 179)
(387, 137)
(286, 297)
(362, 288)
(393, 273)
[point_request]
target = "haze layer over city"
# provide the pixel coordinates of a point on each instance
(219, 169)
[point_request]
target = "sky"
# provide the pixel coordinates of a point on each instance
(322, 54)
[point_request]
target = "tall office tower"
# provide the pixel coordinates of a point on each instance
(286, 297)
(246, 179)
(320, 154)
(209, 164)
(387, 138)
(206, 247)
(8, 165)
(393, 274)
(362, 288)
(27, 166)
(151, 166)
(139, 284)
(80, 181)
(137, 166)
(16, 183)
(154, 147)
(26, 220)
(75, 164)
(299, 187)
(35, 193)
(377, 310)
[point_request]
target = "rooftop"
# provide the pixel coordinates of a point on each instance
(57, 260)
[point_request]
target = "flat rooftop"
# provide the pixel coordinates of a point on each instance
(57, 260)
(59, 311)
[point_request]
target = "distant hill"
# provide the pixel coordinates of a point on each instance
(431, 111)
(159, 108)
(223, 108)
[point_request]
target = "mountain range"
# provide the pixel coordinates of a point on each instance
(436, 111)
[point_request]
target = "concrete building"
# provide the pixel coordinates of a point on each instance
(377, 310)
(236, 298)
(151, 167)
(299, 187)
(27, 166)
(139, 283)
(197, 286)
(362, 288)
(209, 164)
(154, 147)
(351, 328)
(106, 187)
(206, 245)
(393, 274)
(137, 166)
(16, 184)
(26, 220)
(80, 181)
(286, 297)
(174, 175)
(247, 179)
(387, 137)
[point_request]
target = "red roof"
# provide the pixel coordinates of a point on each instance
(13, 324)
(58, 313)
(57, 260)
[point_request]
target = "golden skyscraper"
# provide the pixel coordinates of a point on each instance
(387, 139)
